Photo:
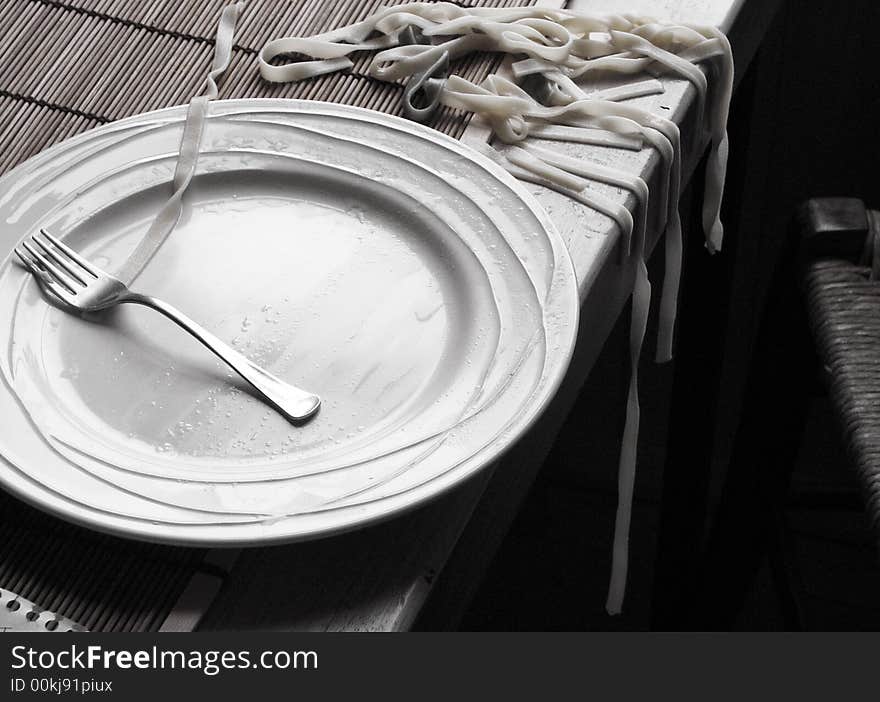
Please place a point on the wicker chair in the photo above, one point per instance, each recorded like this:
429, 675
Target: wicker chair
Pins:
821, 322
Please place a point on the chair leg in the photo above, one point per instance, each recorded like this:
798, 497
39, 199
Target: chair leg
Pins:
786, 575
764, 451
777, 395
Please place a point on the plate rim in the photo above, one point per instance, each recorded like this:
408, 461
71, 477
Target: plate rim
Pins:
418, 496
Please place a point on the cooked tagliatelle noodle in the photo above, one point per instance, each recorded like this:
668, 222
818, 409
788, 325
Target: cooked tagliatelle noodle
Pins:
557, 51
188, 155
549, 98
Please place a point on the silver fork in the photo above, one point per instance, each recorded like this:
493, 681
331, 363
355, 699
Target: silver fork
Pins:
83, 286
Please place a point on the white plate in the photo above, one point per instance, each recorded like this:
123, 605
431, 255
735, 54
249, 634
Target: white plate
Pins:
407, 280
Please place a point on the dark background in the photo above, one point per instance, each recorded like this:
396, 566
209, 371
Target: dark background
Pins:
815, 133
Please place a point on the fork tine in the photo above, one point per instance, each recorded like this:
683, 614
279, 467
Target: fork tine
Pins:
71, 254
60, 260
31, 264
49, 268
39, 272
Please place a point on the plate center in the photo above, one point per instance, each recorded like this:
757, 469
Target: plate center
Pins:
332, 283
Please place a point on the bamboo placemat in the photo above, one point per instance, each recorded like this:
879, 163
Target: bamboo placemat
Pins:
68, 66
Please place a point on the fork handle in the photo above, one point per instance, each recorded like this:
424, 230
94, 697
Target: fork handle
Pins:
295, 404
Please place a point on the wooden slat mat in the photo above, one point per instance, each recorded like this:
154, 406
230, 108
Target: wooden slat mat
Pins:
103, 583
67, 66
110, 58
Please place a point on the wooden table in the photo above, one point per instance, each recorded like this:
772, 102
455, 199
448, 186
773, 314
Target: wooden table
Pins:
428, 563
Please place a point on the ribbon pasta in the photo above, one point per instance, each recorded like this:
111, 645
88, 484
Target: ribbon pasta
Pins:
554, 49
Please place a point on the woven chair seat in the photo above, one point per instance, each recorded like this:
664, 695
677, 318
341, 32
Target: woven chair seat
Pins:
843, 307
